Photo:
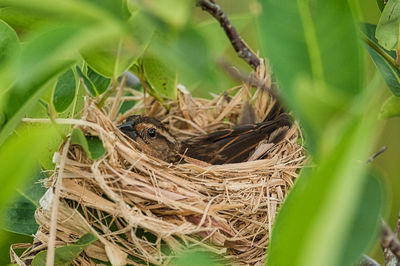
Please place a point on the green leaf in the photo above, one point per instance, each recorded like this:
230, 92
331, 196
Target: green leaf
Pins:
113, 57
87, 82
19, 215
381, 4
117, 8
92, 145
19, 156
64, 92
66, 254
173, 12
367, 218
160, 77
196, 258
100, 82
298, 39
9, 43
383, 59
22, 21
387, 30
318, 218
390, 108
39, 61
9, 49
188, 54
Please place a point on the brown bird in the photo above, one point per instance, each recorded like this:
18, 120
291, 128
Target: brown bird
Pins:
220, 147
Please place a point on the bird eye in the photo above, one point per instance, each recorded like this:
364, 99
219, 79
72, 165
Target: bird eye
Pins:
152, 132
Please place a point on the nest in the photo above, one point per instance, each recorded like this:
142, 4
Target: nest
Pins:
144, 210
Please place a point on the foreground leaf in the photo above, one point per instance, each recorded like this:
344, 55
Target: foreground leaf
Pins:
92, 145
298, 39
318, 218
19, 215
66, 254
18, 156
390, 108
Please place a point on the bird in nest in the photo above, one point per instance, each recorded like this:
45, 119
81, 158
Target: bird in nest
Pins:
232, 145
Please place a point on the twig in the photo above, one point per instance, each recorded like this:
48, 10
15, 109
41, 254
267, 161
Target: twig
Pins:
240, 47
251, 80
390, 244
381, 150
54, 209
397, 229
367, 261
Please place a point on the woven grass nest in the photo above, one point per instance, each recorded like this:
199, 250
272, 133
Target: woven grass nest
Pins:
144, 210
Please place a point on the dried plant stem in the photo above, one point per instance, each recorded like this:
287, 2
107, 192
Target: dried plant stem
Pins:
54, 208
240, 47
114, 108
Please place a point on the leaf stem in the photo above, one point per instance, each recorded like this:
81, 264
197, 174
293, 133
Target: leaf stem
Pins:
382, 53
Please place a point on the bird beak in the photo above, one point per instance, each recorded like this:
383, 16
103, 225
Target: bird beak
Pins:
128, 130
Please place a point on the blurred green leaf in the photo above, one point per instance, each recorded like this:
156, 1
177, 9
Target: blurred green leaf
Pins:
173, 12
19, 215
9, 48
87, 82
113, 57
387, 30
87, 11
390, 108
9, 42
92, 145
160, 77
301, 44
366, 224
117, 8
100, 82
383, 59
64, 92
39, 62
196, 258
188, 54
321, 211
18, 157
66, 254
216, 39
381, 4
20, 20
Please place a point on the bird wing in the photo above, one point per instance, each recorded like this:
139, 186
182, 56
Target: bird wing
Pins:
233, 145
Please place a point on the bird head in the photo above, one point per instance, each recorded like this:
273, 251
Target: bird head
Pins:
152, 137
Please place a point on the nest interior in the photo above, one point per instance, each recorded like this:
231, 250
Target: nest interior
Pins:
144, 210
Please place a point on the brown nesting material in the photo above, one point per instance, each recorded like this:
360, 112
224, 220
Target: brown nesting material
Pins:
139, 206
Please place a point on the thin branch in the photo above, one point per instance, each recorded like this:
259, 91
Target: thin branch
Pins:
381, 150
390, 244
252, 80
377, 49
240, 47
397, 229
367, 261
